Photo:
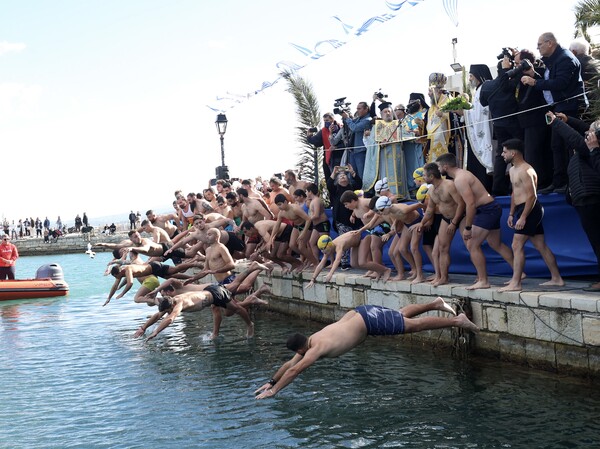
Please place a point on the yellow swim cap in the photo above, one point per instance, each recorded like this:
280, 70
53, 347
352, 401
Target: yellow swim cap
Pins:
419, 173
422, 192
323, 242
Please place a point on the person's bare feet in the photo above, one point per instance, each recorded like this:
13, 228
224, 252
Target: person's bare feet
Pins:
386, 275
262, 290
465, 323
398, 277
431, 277
511, 287
418, 280
440, 281
554, 283
478, 285
442, 305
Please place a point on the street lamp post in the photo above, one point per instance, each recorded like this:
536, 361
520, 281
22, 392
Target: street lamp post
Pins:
222, 172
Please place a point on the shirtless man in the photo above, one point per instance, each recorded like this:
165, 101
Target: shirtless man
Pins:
198, 238
195, 301
299, 237
528, 212
406, 218
482, 219
209, 195
352, 329
293, 183
320, 224
334, 250
164, 222
200, 205
158, 235
367, 258
253, 209
252, 192
125, 274
138, 243
444, 198
263, 232
236, 208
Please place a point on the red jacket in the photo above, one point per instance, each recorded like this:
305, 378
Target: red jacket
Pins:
8, 254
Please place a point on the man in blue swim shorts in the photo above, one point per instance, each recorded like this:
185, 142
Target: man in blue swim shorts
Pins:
482, 218
352, 329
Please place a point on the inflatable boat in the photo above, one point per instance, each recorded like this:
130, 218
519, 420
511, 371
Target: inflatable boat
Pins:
48, 282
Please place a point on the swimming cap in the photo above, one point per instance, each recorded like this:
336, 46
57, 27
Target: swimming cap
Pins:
422, 192
323, 242
380, 185
383, 203
418, 173
359, 193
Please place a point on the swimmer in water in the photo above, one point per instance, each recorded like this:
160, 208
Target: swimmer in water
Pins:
352, 329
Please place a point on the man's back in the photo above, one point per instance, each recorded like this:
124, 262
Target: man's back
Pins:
339, 337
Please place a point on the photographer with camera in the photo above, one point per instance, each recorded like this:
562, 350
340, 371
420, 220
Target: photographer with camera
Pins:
531, 117
584, 175
357, 125
500, 95
563, 90
320, 138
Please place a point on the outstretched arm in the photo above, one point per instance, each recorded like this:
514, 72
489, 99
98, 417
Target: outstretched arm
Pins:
297, 365
167, 321
153, 319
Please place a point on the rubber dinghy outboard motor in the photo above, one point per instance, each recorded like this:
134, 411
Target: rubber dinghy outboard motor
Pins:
50, 271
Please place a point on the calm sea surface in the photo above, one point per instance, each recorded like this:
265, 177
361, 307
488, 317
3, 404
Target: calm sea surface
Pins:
72, 376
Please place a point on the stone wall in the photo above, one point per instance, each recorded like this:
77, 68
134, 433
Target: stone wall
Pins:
552, 330
68, 244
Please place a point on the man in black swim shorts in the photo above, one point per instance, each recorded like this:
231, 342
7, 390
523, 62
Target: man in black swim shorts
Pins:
352, 329
525, 217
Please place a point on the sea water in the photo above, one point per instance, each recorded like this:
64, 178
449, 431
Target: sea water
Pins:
73, 376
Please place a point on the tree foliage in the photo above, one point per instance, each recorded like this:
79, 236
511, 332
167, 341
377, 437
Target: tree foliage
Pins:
309, 116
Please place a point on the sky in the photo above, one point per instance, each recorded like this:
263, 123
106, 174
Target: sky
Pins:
105, 105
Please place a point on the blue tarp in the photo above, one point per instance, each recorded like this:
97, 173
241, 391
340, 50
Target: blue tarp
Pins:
564, 236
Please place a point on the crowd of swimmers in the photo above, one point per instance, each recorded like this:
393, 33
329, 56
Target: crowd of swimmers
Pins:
291, 231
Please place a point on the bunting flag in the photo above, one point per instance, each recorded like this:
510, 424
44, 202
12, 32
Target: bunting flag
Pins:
323, 47
451, 10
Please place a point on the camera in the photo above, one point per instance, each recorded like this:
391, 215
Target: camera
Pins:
340, 106
313, 130
517, 71
380, 94
413, 106
505, 52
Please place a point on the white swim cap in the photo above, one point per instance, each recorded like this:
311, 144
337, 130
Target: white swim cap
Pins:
383, 203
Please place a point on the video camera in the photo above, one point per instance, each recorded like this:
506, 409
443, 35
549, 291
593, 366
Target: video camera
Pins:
380, 94
506, 51
339, 106
518, 71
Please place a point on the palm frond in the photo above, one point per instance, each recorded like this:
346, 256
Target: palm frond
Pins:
587, 15
307, 110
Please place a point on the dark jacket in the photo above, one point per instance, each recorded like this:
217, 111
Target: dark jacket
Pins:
499, 95
584, 166
340, 213
564, 80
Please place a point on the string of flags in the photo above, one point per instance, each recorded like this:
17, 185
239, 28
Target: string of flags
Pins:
323, 47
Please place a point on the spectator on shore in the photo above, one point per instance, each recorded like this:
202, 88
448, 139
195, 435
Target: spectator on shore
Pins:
8, 258
584, 176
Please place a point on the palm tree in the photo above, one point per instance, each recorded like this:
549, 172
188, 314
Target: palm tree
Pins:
307, 108
587, 15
